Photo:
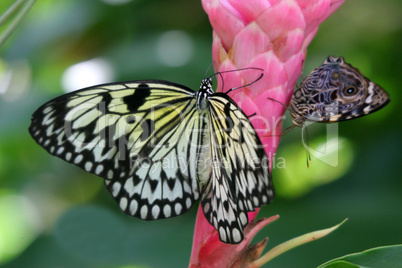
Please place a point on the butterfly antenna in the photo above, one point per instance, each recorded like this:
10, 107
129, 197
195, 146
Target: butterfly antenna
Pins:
223, 80
246, 85
237, 70
241, 69
209, 67
287, 108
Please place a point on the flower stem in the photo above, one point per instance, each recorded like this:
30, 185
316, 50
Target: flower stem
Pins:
295, 242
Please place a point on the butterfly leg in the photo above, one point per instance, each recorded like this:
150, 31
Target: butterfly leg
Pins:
251, 115
308, 155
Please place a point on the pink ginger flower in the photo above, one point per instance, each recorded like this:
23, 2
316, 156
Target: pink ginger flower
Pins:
272, 35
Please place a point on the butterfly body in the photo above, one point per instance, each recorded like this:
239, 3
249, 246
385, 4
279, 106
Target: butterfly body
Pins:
335, 91
160, 147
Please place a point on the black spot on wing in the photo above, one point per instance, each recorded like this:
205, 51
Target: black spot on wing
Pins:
108, 132
88, 131
153, 184
148, 127
130, 119
141, 93
228, 120
104, 104
171, 183
136, 179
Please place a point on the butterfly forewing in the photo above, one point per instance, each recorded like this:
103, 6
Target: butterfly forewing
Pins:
134, 135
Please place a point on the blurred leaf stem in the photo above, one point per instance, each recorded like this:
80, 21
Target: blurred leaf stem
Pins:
20, 8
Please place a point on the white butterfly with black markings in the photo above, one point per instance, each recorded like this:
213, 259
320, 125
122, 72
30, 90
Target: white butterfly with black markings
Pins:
160, 146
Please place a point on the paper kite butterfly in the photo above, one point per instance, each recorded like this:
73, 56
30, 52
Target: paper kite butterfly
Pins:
159, 146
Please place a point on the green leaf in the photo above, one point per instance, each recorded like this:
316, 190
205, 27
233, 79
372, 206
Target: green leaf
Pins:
387, 256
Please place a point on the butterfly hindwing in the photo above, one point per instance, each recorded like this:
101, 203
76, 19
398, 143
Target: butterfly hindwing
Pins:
240, 179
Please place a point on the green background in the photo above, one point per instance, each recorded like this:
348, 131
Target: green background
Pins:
54, 214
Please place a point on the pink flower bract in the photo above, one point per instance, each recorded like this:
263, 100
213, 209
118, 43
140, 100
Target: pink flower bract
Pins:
272, 35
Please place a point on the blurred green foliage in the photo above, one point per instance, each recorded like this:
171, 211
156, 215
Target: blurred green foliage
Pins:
54, 214
12, 16
388, 256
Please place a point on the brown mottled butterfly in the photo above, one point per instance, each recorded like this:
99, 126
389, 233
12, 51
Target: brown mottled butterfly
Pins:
335, 91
